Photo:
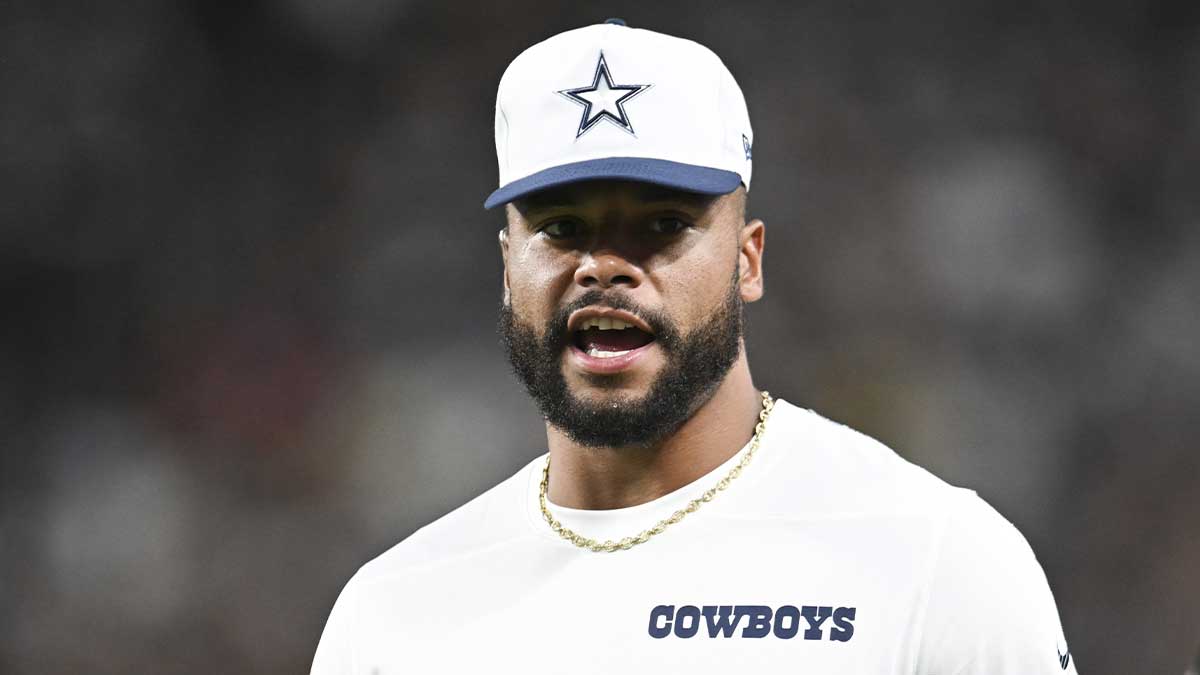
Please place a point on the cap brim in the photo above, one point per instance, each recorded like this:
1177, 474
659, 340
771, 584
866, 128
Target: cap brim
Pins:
686, 177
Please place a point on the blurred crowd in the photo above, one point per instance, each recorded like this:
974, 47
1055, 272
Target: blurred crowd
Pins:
248, 295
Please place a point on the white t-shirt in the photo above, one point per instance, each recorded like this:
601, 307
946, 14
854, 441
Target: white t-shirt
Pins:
829, 554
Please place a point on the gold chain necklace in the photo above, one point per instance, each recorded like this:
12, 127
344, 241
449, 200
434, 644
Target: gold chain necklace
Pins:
629, 542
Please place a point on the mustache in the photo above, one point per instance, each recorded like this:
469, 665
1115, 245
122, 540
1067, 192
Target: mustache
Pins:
664, 328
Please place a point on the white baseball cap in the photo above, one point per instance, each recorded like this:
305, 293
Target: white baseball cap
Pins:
609, 101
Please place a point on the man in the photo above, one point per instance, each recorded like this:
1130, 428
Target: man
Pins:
682, 520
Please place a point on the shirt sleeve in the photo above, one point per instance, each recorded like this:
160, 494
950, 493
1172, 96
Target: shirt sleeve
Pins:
989, 608
334, 656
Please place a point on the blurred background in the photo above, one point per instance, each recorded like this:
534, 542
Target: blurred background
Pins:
248, 295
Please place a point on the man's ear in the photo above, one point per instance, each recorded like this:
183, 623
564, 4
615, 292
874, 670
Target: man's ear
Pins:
750, 253
504, 257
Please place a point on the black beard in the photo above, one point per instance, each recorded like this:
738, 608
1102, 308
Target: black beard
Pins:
696, 365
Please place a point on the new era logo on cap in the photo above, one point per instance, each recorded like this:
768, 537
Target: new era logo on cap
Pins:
608, 101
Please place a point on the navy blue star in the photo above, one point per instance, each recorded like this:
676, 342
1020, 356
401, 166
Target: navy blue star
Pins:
603, 100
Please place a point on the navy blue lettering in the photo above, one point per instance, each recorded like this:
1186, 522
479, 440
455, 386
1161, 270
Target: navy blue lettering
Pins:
816, 616
760, 620
682, 616
722, 625
782, 616
842, 629
661, 629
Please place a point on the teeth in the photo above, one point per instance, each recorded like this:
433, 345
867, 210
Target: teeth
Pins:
605, 355
604, 323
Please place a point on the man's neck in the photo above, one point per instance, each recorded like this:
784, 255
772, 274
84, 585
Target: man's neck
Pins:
611, 478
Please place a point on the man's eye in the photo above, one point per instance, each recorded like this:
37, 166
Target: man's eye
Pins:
561, 228
668, 225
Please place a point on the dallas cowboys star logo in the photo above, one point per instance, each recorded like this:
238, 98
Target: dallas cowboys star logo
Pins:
603, 100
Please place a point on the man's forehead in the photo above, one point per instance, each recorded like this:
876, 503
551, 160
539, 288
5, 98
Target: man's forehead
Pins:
579, 194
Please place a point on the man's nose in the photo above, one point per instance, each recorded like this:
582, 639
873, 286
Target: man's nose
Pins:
607, 268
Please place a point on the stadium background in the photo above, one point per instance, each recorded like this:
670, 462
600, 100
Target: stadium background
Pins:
248, 295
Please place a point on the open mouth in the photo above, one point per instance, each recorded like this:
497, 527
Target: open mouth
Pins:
606, 338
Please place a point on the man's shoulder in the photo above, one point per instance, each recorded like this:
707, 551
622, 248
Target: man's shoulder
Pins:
827, 468
846, 472
491, 519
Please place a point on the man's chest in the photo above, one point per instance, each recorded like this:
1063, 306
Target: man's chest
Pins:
734, 597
